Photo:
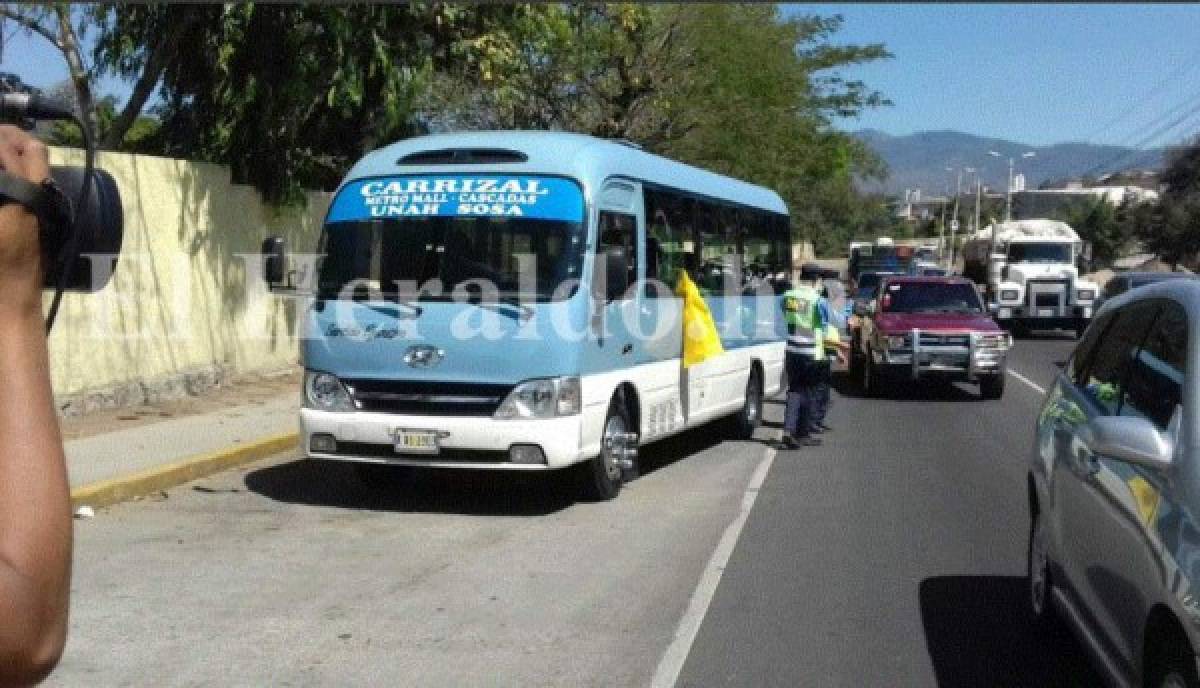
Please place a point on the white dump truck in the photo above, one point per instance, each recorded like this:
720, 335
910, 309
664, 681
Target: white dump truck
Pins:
1030, 275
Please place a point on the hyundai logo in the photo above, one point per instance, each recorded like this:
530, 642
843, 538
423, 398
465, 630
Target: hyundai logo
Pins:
423, 356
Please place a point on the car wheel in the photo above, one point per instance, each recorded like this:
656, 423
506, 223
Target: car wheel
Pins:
1038, 572
992, 386
1173, 667
603, 475
750, 417
385, 477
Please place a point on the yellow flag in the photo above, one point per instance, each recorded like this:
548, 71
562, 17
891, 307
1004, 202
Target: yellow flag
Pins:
700, 340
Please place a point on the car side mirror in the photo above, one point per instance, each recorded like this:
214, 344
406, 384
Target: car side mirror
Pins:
1126, 438
274, 257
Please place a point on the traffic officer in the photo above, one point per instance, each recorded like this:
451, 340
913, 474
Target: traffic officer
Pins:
804, 343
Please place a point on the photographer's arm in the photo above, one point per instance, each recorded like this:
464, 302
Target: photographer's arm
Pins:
35, 512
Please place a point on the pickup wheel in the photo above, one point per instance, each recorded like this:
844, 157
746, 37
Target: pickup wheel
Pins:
992, 386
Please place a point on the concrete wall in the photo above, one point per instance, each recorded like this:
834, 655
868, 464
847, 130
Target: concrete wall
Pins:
180, 312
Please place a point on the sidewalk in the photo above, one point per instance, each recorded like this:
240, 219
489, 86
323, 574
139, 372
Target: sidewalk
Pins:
115, 455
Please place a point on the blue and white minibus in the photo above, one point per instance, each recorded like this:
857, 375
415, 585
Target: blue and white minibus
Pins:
505, 301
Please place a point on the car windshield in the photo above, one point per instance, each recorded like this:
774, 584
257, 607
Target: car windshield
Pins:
868, 285
931, 297
411, 258
1039, 253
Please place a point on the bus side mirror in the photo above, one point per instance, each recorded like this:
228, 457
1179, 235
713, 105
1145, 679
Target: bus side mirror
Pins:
274, 257
616, 273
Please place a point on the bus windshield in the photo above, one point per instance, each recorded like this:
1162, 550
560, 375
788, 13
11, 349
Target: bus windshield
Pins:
405, 258
421, 237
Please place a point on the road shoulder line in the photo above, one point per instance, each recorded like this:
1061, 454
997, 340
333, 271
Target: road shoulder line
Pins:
671, 664
1036, 387
123, 487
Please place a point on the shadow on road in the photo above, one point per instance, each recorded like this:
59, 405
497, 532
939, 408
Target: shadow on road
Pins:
481, 493
1045, 335
478, 493
909, 390
980, 632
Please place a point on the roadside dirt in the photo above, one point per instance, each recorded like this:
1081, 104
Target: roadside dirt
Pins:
241, 390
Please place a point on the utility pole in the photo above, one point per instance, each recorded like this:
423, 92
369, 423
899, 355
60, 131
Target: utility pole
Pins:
942, 231
954, 216
978, 193
1008, 196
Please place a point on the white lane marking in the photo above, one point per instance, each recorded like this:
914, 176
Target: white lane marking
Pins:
673, 659
1027, 381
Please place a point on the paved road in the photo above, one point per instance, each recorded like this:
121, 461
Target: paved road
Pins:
896, 554
889, 557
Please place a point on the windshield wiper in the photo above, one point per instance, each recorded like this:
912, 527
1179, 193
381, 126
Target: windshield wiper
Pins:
524, 312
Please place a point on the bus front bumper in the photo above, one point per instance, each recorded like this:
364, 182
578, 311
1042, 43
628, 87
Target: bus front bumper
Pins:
462, 441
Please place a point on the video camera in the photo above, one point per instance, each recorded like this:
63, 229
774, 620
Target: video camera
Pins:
83, 241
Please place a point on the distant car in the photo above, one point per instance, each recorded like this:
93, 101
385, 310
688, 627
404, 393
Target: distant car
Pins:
929, 327
1132, 280
1114, 489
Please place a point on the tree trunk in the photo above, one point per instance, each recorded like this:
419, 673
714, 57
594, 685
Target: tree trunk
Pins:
68, 43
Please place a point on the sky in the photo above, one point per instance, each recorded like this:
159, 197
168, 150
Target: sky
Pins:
1036, 74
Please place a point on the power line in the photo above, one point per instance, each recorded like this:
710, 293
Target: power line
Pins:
1148, 96
1139, 147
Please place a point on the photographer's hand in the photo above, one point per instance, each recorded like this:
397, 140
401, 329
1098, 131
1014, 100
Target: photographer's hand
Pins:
35, 509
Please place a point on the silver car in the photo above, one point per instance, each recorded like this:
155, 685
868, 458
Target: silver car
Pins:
1114, 489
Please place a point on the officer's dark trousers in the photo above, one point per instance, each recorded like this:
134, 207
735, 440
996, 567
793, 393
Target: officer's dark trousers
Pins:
803, 376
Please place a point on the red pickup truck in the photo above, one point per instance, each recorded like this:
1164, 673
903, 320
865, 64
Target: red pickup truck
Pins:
928, 327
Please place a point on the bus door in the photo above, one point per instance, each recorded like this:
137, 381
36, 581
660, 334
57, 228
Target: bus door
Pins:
619, 227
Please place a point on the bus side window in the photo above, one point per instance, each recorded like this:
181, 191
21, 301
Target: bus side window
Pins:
668, 224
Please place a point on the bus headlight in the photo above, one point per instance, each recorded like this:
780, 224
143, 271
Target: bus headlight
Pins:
542, 398
325, 392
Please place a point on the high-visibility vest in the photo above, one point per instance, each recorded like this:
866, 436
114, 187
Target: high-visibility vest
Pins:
804, 325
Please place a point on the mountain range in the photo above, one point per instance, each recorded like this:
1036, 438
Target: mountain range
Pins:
919, 161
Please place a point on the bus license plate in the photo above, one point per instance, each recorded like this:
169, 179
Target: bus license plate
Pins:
416, 442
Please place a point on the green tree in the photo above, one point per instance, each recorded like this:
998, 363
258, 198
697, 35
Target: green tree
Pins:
1101, 224
1170, 227
290, 95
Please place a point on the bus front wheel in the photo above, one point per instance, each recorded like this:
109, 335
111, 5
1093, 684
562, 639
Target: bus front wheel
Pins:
604, 474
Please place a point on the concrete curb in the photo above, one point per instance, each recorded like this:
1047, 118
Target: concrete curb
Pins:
121, 488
